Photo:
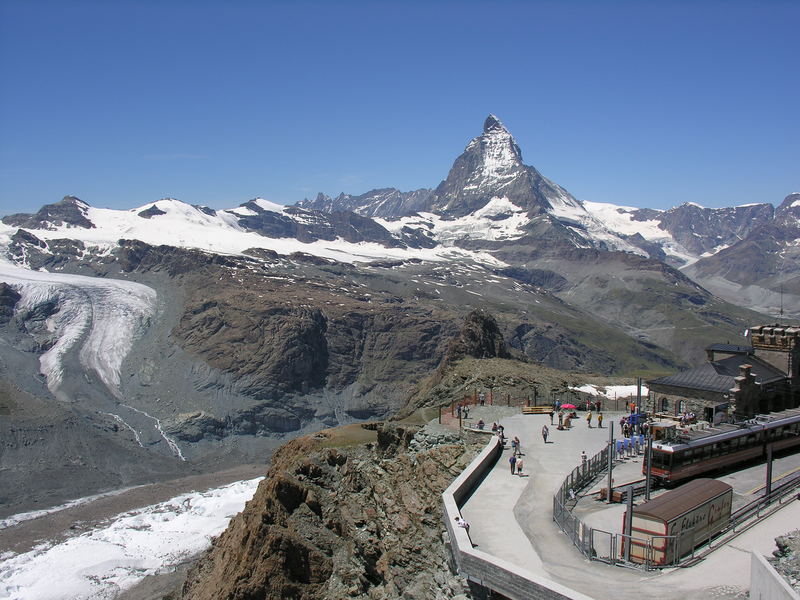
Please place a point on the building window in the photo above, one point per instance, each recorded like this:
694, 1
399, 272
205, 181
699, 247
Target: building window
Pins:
681, 407
664, 404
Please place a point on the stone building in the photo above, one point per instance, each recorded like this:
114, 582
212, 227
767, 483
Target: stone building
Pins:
736, 382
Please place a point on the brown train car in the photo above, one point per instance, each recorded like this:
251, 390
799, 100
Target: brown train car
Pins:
672, 525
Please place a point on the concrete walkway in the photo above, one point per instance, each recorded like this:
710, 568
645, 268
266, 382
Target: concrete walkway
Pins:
511, 518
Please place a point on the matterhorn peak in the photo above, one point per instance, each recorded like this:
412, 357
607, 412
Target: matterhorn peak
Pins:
492, 123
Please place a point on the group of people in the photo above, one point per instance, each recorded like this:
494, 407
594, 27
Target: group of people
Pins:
629, 428
515, 460
688, 418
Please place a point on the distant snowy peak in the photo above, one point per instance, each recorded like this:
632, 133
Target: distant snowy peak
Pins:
498, 154
789, 206
684, 233
491, 167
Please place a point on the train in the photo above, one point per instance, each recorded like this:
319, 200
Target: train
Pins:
692, 453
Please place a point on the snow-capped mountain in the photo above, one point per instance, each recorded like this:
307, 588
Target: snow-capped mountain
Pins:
184, 335
256, 224
491, 168
490, 198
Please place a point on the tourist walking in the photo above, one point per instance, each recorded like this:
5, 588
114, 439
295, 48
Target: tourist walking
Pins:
516, 446
599, 420
519, 466
545, 433
589, 419
512, 460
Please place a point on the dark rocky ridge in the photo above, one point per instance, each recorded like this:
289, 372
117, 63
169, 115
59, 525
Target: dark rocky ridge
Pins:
69, 211
384, 202
763, 267
701, 229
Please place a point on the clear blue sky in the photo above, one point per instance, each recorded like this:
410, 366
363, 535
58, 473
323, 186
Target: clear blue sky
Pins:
637, 103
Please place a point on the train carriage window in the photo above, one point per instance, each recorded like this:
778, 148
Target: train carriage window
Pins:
707, 452
661, 460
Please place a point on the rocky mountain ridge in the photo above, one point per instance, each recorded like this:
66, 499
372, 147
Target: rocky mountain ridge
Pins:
338, 520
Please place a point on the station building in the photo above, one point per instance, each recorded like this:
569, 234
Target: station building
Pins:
736, 382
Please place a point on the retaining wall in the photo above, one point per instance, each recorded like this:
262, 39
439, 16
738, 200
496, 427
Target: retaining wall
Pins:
494, 573
766, 583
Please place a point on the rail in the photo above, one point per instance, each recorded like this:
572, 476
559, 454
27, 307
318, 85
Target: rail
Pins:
606, 546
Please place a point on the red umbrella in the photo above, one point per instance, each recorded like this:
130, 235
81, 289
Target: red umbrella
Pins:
567, 406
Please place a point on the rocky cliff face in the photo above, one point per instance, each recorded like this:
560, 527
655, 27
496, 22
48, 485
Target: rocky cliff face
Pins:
763, 268
334, 519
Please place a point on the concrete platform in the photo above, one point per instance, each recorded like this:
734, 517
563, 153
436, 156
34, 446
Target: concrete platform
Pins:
511, 518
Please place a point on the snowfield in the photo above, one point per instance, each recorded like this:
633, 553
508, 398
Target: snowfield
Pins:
186, 226
106, 560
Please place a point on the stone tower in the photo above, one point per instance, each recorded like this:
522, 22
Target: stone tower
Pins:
779, 346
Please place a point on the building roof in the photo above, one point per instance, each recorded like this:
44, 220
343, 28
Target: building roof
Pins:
681, 500
732, 348
718, 375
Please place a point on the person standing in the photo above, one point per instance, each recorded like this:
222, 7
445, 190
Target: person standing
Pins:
545, 433
519, 466
589, 419
462, 523
551, 416
516, 446
512, 460
584, 458
599, 420
560, 420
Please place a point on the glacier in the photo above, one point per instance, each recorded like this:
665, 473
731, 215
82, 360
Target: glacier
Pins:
103, 316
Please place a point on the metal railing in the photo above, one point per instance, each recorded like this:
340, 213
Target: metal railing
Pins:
654, 551
596, 544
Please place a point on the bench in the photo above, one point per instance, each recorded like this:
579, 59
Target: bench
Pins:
537, 410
